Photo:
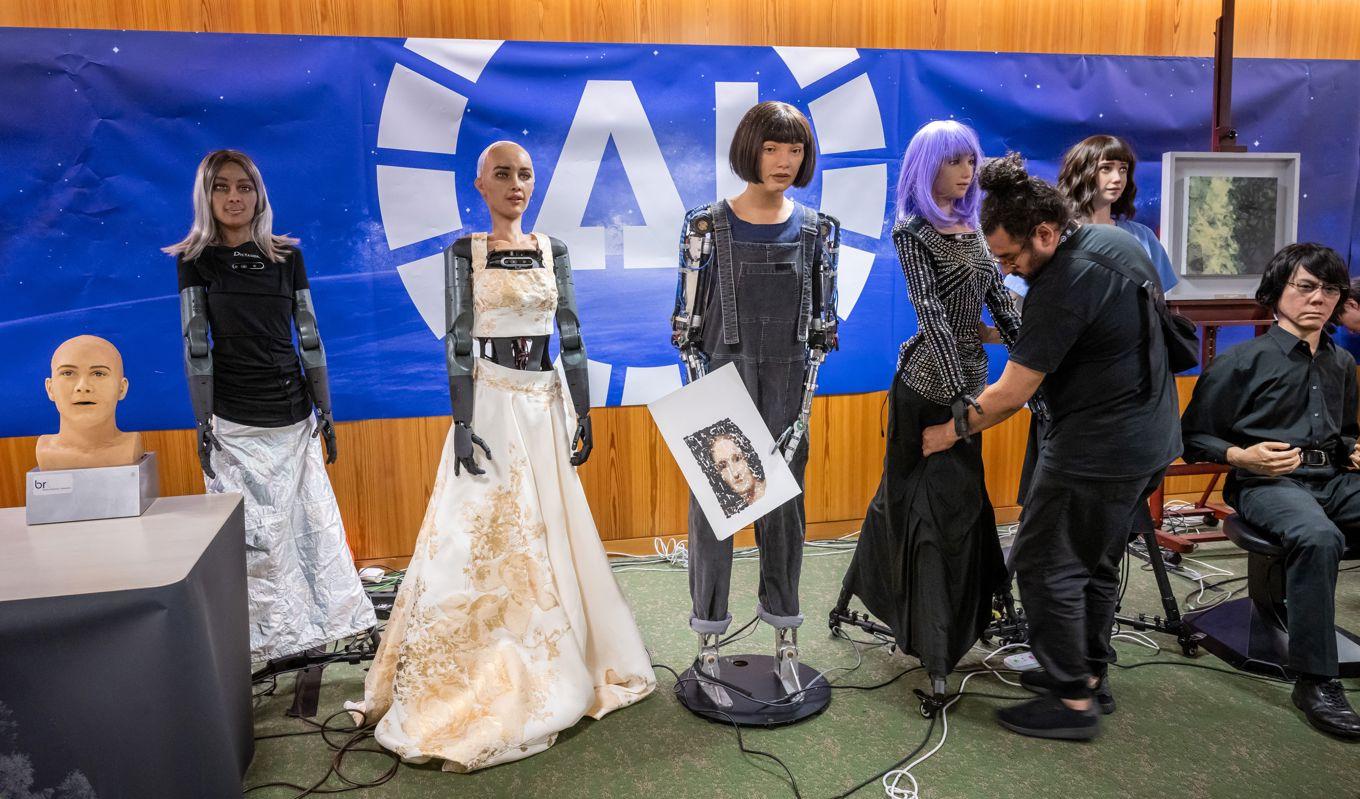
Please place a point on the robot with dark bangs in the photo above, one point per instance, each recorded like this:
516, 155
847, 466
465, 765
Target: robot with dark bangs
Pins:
757, 290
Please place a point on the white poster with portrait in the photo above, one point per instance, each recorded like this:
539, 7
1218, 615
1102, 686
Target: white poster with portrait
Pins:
725, 451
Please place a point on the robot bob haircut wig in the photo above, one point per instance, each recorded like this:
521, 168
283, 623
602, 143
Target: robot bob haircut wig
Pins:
934, 144
777, 122
1323, 263
1081, 168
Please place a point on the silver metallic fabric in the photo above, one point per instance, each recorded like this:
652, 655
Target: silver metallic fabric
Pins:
303, 586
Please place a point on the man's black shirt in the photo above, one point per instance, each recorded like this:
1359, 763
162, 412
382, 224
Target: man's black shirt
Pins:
257, 377
1108, 386
1273, 388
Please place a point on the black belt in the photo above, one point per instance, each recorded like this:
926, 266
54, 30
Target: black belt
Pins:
1314, 457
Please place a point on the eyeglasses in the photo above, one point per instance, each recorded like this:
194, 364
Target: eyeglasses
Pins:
1008, 260
1307, 288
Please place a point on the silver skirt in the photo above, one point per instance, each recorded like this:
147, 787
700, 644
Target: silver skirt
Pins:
303, 586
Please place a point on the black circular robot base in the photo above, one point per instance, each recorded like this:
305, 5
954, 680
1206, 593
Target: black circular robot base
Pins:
755, 681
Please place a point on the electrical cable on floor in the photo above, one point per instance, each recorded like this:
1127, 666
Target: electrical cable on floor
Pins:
672, 555
789, 778
894, 774
986, 660
675, 554
892, 780
793, 783
1138, 638
358, 733
930, 731
1191, 607
741, 741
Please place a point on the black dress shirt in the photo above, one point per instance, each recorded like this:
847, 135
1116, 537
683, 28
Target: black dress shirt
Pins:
1273, 388
1110, 393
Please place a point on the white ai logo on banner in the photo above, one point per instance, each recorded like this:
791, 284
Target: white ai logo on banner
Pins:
422, 115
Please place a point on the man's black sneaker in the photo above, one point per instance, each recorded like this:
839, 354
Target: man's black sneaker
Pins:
1047, 717
1039, 681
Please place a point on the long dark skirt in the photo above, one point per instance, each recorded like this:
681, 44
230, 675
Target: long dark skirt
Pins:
928, 561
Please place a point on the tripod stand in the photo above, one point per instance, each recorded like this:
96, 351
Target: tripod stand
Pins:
1008, 624
1007, 627
1172, 623
310, 665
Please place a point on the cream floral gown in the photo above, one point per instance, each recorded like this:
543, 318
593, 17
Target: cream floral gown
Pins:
509, 626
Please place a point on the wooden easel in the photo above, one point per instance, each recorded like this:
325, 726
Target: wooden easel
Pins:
1210, 315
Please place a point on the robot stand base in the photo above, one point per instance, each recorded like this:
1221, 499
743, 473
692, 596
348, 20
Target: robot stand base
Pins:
754, 675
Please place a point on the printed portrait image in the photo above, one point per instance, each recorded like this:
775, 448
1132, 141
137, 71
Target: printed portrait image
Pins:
729, 461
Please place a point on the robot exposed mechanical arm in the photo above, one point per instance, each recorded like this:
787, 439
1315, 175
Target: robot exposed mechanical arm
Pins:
314, 367
822, 328
198, 367
460, 356
692, 293
573, 353
696, 285
458, 353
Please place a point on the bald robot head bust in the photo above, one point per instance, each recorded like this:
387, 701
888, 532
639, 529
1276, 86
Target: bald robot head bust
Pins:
505, 179
86, 384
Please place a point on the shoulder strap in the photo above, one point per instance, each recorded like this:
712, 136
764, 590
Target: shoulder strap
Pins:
915, 227
919, 228
718, 213
478, 252
545, 249
808, 219
1149, 287
1107, 262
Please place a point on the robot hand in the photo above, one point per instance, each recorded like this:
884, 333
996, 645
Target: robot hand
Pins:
826, 339
786, 438
326, 429
464, 455
959, 406
582, 443
207, 442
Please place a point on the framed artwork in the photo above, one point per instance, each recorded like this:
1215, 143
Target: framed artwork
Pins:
1224, 215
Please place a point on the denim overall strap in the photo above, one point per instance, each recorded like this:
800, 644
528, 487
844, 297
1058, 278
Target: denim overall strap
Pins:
807, 239
727, 279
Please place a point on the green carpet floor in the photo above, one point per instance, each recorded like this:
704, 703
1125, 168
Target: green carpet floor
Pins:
1180, 731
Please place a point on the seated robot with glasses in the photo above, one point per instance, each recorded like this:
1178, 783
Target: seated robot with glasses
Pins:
1281, 411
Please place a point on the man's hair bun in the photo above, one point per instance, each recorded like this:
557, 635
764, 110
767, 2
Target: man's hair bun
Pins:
1005, 174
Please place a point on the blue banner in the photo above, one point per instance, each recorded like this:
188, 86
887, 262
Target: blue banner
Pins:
368, 148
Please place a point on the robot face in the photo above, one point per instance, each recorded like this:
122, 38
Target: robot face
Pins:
954, 178
87, 381
234, 197
779, 164
506, 181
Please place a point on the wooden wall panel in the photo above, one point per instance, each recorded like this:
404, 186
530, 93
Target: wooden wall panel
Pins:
1265, 28
387, 467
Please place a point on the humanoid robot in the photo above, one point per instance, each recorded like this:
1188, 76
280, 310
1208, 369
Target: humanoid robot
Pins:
86, 385
509, 626
260, 403
760, 295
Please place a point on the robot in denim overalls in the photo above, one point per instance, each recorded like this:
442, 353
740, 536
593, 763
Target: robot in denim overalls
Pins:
763, 298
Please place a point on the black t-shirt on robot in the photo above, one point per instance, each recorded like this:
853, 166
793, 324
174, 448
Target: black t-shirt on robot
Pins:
1082, 325
257, 377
